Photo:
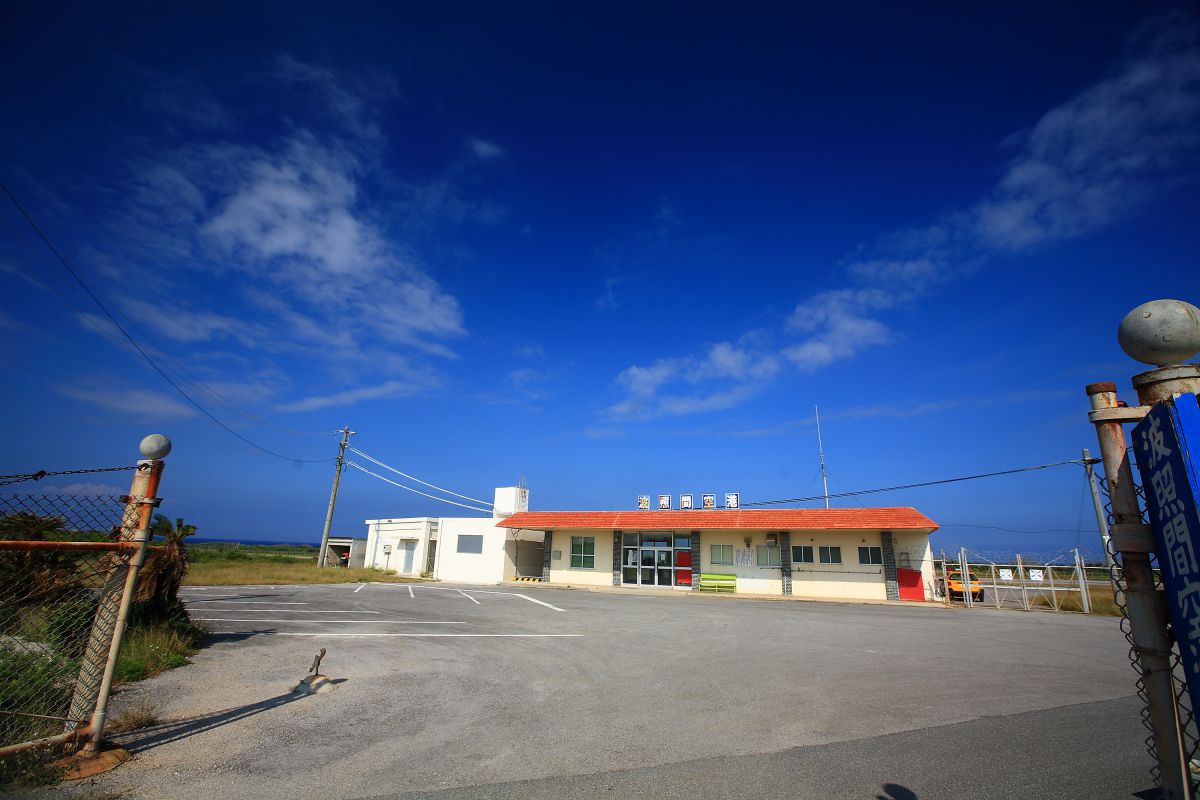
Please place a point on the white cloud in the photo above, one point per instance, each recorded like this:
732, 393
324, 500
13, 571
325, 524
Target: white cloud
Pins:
485, 150
114, 395
84, 488
383, 391
1092, 160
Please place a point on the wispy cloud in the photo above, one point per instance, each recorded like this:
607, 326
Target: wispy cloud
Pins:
113, 394
1094, 159
296, 238
485, 150
383, 391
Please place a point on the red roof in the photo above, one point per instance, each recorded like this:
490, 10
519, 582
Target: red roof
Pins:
782, 519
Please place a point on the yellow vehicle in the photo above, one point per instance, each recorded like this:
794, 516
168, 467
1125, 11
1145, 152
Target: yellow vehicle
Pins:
954, 586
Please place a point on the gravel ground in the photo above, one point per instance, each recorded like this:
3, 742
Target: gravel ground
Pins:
529, 691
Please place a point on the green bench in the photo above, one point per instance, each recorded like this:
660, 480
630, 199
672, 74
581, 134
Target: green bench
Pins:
718, 583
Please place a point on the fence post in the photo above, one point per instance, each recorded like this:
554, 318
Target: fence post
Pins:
1085, 594
1021, 580
1145, 609
966, 576
995, 588
945, 581
104, 641
1053, 590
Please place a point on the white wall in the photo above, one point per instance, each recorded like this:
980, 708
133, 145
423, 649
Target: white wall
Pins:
493, 565
392, 532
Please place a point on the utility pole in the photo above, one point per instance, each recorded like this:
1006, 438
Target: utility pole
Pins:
337, 477
821, 451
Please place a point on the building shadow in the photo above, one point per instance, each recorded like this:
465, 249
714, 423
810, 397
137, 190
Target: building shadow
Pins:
167, 732
894, 791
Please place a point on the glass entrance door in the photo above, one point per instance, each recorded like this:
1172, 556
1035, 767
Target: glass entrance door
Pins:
656, 559
656, 567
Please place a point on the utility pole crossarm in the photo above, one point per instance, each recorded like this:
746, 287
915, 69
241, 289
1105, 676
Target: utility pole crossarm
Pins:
337, 478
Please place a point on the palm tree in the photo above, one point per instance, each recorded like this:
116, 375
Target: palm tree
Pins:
168, 567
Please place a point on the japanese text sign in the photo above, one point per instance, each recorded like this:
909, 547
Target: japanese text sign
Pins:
1167, 444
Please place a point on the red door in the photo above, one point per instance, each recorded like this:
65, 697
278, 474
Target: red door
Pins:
911, 587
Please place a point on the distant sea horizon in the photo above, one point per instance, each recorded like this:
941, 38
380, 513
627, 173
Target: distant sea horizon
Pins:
292, 543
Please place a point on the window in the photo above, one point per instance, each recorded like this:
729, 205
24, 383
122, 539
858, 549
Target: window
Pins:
802, 554
470, 543
768, 555
870, 555
583, 552
721, 554
830, 555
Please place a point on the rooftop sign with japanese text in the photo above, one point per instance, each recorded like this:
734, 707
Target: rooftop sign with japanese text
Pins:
1167, 444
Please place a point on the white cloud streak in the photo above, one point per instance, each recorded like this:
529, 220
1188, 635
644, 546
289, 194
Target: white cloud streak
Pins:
1086, 163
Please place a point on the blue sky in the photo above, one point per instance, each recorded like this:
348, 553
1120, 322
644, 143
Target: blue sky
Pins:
616, 252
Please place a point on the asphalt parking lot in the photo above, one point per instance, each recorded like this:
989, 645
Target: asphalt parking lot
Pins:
528, 691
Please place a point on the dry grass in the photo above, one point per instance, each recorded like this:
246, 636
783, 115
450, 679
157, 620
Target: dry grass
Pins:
240, 573
135, 717
1101, 597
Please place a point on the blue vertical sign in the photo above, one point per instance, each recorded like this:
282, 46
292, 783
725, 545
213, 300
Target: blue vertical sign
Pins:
1167, 445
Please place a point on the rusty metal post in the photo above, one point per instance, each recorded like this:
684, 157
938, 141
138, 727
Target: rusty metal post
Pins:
144, 487
945, 580
1145, 608
337, 478
139, 512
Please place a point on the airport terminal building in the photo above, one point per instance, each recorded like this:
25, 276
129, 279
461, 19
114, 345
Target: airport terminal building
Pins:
840, 553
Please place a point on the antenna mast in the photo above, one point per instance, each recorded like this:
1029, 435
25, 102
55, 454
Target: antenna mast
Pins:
821, 451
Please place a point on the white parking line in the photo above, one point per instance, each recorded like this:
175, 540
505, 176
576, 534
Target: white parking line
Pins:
410, 592
247, 602
472, 599
373, 621
448, 635
288, 610
522, 596
360, 588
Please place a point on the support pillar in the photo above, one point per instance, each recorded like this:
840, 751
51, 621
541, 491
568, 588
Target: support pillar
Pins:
696, 561
547, 552
785, 560
618, 549
890, 578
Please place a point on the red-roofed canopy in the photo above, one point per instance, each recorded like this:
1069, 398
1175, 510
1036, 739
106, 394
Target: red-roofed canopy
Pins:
781, 519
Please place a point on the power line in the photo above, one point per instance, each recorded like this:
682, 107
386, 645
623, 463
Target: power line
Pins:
62, 259
1007, 530
361, 468
915, 485
418, 480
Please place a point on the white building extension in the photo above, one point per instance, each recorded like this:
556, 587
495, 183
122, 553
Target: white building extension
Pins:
460, 549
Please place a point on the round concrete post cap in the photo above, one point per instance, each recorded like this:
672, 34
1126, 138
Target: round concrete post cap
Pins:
1161, 332
155, 446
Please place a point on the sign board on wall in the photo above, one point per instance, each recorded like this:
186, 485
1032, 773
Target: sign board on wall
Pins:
1167, 444
685, 502
664, 502
643, 502
732, 500
708, 501
743, 557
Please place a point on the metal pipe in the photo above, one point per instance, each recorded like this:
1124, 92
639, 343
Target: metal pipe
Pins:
1098, 505
968, 601
72, 546
1144, 607
1085, 598
1021, 578
79, 734
146, 500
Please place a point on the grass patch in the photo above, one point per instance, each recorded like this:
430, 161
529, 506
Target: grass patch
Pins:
277, 572
151, 649
132, 718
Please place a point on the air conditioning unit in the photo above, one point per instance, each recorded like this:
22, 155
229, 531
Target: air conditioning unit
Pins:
772, 539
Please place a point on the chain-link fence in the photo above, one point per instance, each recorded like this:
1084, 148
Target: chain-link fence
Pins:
68, 568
